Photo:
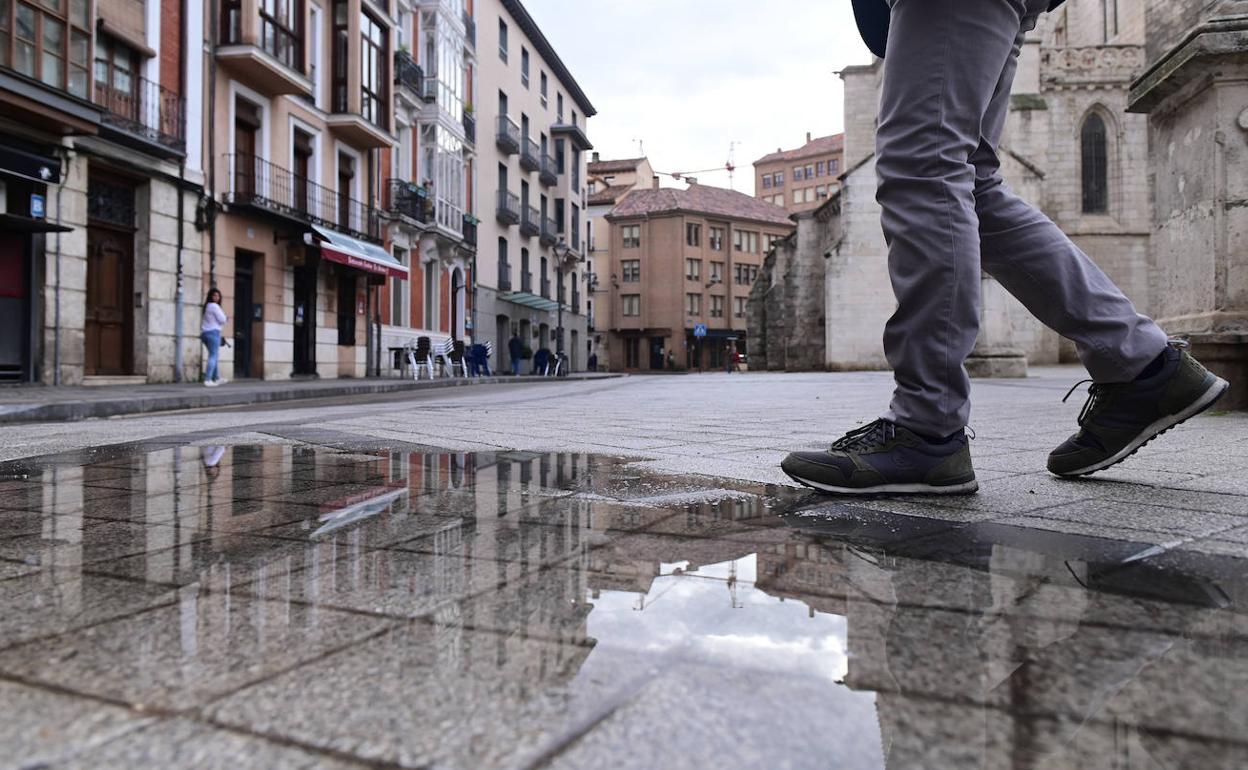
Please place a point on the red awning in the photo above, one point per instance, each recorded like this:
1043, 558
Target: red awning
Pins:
356, 254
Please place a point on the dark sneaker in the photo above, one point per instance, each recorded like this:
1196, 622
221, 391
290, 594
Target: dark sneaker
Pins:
886, 458
1120, 418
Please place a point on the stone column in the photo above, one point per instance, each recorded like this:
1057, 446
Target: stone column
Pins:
995, 354
1195, 92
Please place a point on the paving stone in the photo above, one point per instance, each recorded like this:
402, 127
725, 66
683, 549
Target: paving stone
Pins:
39, 727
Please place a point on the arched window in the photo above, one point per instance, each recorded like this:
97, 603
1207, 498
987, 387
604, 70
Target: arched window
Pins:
1095, 153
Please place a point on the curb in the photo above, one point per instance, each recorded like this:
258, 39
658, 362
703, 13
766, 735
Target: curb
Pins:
87, 409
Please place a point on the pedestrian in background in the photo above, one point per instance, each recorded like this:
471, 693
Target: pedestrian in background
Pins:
210, 334
947, 215
515, 352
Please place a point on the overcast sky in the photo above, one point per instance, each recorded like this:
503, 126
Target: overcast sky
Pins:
687, 77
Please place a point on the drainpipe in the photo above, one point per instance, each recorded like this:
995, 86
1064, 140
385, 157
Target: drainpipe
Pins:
213, 22
56, 323
178, 296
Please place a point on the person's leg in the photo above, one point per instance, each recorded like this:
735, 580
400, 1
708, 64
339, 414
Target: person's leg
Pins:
944, 65
1036, 262
213, 341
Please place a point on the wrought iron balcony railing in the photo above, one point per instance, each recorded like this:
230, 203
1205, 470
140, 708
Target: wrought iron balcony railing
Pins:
257, 183
550, 171
470, 128
470, 25
504, 276
526, 281
530, 224
408, 74
546, 288
148, 110
508, 210
550, 232
410, 200
508, 137
530, 155
470, 230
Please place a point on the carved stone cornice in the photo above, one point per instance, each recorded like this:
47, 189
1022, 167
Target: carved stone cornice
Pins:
1091, 66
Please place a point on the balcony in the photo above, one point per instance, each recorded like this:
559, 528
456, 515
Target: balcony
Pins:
360, 121
508, 137
508, 211
470, 231
470, 27
504, 276
261, 52
271, 191
550, 232
550, 171
574, 134
470, 128
410, 200
576, 301
530, 157
150, 117
526, 282
546, 288
408, 75
530, 224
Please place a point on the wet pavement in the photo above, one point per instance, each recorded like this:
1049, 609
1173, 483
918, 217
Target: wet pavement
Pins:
327, 601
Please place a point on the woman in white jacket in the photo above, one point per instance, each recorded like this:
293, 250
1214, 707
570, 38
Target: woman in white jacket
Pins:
210, 333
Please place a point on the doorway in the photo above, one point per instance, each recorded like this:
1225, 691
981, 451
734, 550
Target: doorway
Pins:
457, 302
305, 317
14, 308
656, 354
244, 311
110, 306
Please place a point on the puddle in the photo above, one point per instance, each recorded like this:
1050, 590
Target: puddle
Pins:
531, 610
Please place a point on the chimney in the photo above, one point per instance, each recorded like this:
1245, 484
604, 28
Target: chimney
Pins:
654, 183
595, 157
807, 137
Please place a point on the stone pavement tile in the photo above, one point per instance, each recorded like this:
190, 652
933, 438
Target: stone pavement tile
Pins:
1128, 473
438, 695
1235, 483
204, 513
39, 727
47, 498
1209, 461
812, 722
1030, 461
1170, 497
183, 655
1136, 518
182, 743
1078, 744
69, 541
48, 603
10, 569
220, 562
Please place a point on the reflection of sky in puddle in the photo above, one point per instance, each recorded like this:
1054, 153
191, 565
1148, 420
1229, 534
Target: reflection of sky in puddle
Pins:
715, 614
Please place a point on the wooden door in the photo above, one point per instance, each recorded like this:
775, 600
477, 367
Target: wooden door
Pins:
110, 308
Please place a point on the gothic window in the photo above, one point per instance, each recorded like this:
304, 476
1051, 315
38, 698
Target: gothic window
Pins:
1095, 154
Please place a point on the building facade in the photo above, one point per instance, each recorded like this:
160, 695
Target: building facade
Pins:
531, 276
681, 260
101, 170
802, 179
609, 182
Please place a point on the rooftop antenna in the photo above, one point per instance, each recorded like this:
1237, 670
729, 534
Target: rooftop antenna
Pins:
731, 165
641, 148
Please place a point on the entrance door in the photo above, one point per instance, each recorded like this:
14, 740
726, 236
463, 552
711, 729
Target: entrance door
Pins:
14, 308
656, 353
305, 318
244, 298
110, 309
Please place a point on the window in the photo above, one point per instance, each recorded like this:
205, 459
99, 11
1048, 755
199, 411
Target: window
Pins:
631, 270
810, 172
766, 181
834, 167
526, 275
116, 77
1109, 18
281, 31
398, 293
543, 88
373, 71
821, 168
524, 66
810, 195
744, 275
821, 192
693, 269
1095, 173
51, 42
717, 272
738, 307
717, 306
340, 41
716, 239
797, 174
559, 108
797, 196
502, 40
693, 234
693, 304
346, 308
314, 55
779, 175
301, 154
504, 267
632, 353
632, 236
743, 240
631, 304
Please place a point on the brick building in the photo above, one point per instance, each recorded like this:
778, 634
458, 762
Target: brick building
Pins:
801, 179
680, 258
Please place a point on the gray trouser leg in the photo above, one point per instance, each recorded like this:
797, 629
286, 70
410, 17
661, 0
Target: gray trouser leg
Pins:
945, 211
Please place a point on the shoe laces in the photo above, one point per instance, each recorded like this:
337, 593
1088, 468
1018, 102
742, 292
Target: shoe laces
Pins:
871, 436
1099, 396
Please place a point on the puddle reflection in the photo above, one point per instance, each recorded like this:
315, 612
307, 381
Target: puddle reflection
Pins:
509, 609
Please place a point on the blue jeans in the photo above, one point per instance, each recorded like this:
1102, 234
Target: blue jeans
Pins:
515, 367
212, 340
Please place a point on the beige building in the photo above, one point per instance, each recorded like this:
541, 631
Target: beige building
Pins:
531, 158
802, 179
680, 259
609, 182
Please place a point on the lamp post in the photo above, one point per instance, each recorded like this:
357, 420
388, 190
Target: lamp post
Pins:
562, 254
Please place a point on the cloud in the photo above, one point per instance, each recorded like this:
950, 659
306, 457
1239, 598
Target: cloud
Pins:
687, 77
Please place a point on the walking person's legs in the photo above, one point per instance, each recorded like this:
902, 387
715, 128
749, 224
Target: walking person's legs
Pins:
212, 341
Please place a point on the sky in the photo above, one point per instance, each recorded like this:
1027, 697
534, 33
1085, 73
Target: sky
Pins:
688, 77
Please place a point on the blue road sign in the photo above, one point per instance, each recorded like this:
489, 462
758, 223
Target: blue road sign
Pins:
699, 330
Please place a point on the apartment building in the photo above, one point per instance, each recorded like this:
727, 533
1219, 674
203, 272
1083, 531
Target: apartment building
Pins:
532, 244
609, 182
680, 259
801, 179
101, 170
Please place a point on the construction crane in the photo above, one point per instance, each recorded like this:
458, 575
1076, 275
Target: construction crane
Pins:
730, 166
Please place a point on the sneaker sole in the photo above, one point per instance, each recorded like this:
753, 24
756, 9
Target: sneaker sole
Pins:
1208, 399
967, 488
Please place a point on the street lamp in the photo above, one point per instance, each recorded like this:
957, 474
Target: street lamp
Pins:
563, 255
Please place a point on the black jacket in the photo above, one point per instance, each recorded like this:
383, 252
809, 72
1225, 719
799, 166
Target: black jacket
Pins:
872, 18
